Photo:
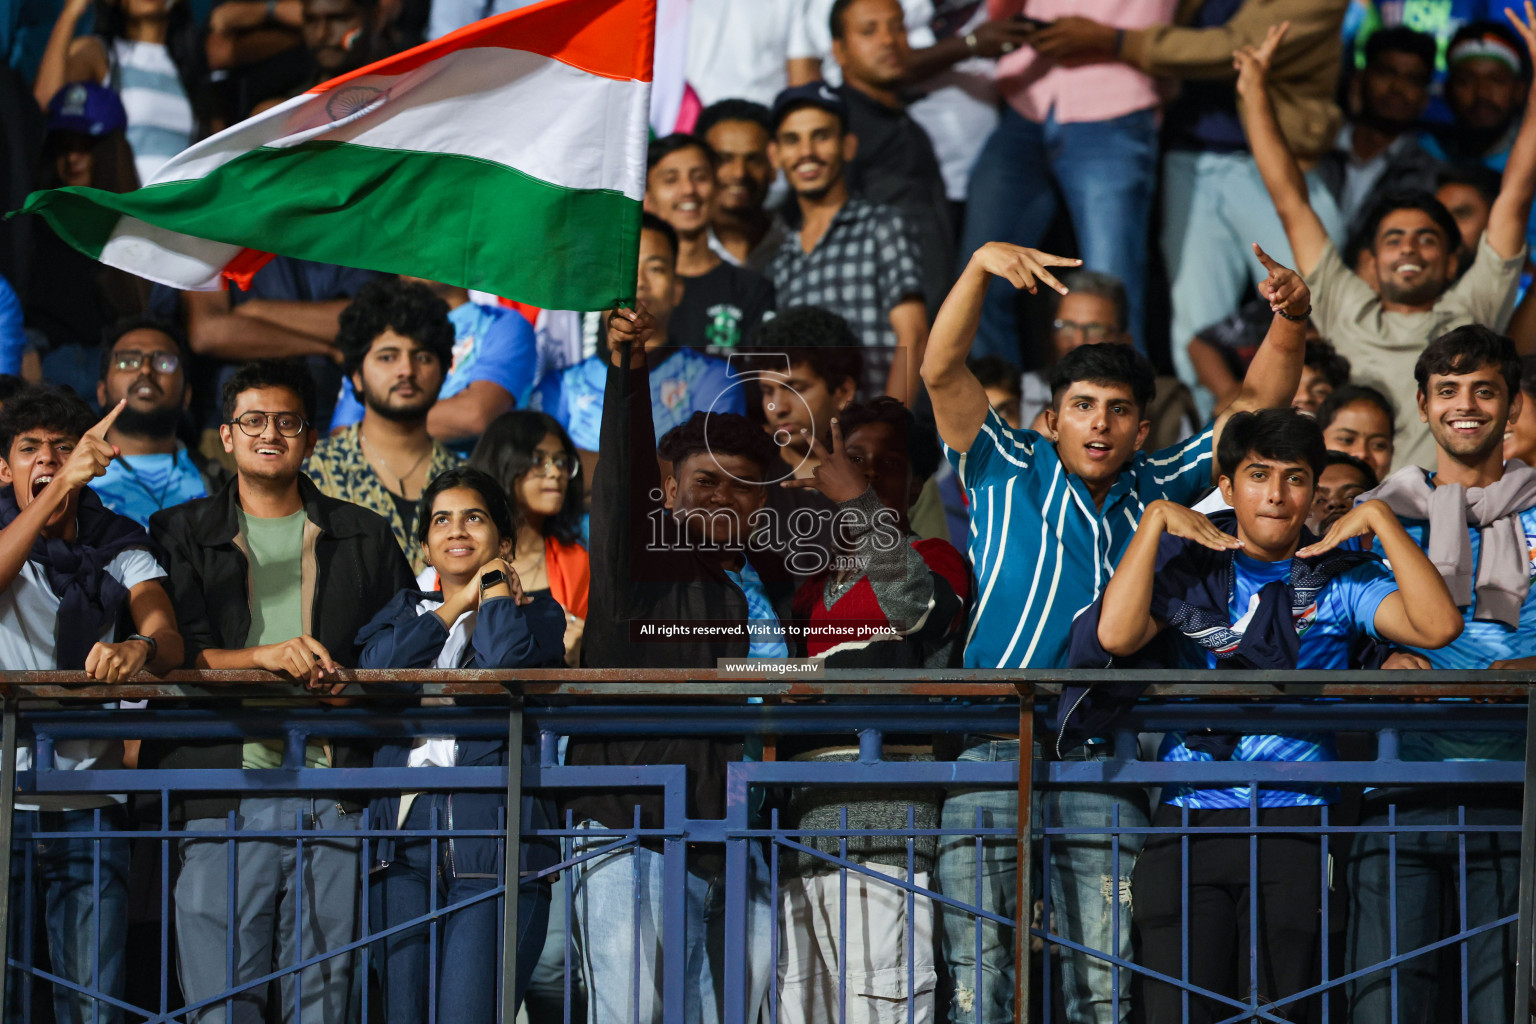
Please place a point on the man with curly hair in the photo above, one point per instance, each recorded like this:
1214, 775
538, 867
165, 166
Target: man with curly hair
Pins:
397, 344
674, 584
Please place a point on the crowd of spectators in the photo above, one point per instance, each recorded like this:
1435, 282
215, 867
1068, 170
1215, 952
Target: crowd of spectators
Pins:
857, 412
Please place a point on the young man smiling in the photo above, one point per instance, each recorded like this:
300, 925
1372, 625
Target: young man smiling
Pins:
271, 574
1060, 507
1413, 254
722, 303
1253, 589
1475, 516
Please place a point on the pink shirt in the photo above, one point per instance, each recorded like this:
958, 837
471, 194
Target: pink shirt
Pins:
1033, 85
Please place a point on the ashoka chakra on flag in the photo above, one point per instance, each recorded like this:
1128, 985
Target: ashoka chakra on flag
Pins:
508, 157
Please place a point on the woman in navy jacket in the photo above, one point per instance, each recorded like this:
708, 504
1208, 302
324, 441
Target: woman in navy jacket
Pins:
479, 619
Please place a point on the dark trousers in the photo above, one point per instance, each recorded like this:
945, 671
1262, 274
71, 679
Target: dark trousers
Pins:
467, 941
1425, 862
1286, 901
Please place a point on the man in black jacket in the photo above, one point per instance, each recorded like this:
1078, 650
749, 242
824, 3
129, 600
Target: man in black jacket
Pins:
670, 551
271, 574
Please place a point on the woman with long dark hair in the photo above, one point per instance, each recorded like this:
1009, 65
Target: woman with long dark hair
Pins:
147, 52
533, 457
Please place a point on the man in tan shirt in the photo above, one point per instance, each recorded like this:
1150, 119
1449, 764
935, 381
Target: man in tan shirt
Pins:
1412, 257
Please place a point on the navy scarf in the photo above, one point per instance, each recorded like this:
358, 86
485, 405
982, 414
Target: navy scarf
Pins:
90, 598
1192, 593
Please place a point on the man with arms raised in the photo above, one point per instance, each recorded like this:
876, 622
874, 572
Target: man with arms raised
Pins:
1056, 510
1413, 244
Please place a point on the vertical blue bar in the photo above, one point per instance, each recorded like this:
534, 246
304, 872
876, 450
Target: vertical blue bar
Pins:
1184, 909
979, 868
1392, 900
1327, 888
634, 881
773, 903
1114, 900
165, 900
1253, 896
738, 895
432, 875
1026, 915
568, 881
7, 825
96, 917
232, 866
365, 888
674, 951
911, 915
1461, 904
298, 902
842, 919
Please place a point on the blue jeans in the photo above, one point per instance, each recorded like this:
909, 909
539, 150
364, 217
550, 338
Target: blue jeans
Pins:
1424, 861
608, 910
1106, 172
1215, 207
468, 968
63, 871
1080, 872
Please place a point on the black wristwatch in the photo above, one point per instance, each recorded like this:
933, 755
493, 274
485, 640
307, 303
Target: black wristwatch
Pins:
154, 648
491, 579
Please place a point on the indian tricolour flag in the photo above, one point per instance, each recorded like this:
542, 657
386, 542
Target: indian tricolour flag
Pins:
507, 157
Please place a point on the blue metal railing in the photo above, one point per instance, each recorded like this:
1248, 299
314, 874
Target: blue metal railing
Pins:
869, 707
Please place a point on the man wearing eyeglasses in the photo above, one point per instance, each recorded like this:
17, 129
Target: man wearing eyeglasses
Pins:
271, 574
1095, 310
144, 363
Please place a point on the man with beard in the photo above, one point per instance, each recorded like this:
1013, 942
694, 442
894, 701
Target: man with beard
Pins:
848, 255
1377, 151
144, 364
1411, 255
1489, 74
397, 343
495, 356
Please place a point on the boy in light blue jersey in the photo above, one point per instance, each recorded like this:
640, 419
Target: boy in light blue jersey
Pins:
1254, 589
1051, 513
683, 380
1475, 515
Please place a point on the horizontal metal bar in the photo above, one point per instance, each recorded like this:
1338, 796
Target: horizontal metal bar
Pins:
684, 683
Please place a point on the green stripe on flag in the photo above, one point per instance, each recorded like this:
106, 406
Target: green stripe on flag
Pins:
455, 219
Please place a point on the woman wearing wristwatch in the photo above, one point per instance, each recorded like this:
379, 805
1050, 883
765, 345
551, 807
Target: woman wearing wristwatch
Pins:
479, 618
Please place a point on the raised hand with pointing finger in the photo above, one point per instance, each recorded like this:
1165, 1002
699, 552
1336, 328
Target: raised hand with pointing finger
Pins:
91, 455
1284, 289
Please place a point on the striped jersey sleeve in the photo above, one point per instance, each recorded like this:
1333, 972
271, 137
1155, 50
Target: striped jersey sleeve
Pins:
998, 452
1181, 472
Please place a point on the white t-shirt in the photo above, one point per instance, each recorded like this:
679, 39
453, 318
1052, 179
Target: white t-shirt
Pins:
737, 50
29, 624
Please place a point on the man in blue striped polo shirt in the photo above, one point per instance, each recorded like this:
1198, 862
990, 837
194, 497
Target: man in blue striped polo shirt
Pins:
1051, 515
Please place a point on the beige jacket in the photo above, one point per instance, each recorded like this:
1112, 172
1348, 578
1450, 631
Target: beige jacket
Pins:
1302, 79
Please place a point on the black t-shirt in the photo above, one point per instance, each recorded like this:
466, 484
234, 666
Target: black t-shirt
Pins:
897, 167
721, 309
407, 509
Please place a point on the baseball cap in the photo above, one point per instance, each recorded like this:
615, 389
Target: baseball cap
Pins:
86, 108
812, 94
